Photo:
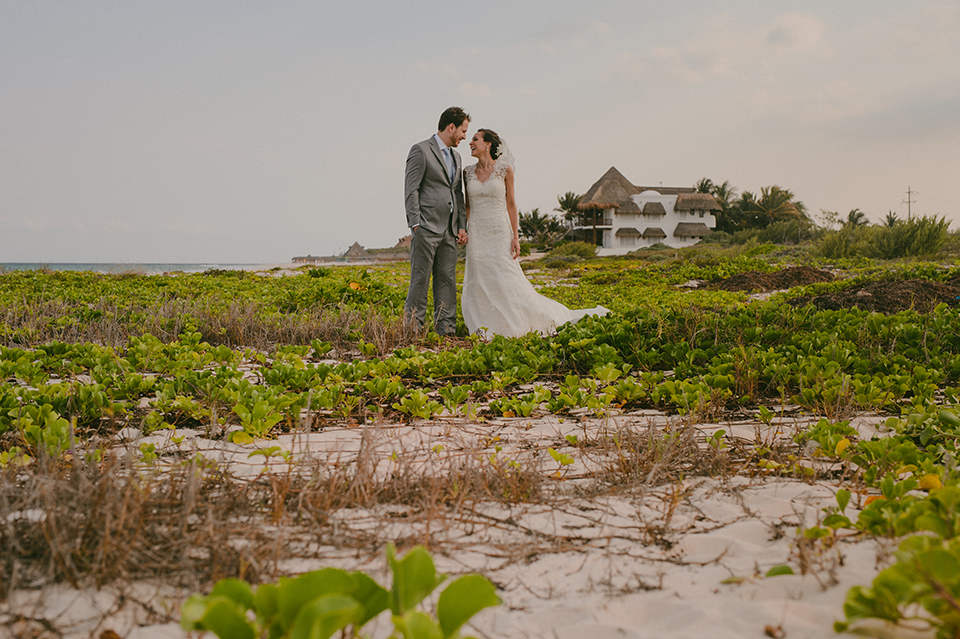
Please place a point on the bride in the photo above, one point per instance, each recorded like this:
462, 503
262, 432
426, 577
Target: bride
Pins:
497, 297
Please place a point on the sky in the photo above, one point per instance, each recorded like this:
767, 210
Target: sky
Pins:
251, 132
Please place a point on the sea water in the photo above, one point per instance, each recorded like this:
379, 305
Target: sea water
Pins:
118, 268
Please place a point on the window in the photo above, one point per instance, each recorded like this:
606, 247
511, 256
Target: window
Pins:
628, 241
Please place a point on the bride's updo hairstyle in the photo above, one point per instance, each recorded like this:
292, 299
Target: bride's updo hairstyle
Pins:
493, 139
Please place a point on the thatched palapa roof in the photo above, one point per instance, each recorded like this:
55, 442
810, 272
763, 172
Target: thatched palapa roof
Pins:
697, 202
691, 229
356, 251
628, 232
654, 208
653, 231
610, 191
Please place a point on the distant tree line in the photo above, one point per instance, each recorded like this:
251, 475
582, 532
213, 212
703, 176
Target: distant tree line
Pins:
749, 211
776, 216
547, 230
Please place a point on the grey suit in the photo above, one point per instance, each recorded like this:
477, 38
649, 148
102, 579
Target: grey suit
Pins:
435, 205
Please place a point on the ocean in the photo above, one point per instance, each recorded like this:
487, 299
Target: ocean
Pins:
118, 268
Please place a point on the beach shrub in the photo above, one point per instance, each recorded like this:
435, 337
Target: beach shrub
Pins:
920, 236
583, 250
783, 232
318, 604
926, 575
560, 261
717, 237
849, 241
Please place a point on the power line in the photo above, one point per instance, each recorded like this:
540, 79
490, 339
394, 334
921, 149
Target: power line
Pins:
909, 202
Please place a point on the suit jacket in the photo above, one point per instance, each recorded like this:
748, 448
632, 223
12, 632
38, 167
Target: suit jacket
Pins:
430, 198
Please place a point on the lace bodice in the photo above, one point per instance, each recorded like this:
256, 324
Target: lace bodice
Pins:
489, 196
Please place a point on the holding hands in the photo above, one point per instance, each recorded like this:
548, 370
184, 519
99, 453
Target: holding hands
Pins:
462, 236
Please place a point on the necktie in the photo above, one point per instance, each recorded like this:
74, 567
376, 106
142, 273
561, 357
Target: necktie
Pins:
451, 164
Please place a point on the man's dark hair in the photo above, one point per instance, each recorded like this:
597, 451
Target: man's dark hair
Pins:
454, 116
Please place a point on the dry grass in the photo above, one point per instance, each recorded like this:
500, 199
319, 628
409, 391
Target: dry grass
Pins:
187, 521
240, 324
652, 456
91, 522
94, 523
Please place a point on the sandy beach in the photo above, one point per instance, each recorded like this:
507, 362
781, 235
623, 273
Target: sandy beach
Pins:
680, 559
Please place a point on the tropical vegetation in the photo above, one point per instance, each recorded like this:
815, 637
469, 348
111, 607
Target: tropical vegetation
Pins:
244, 359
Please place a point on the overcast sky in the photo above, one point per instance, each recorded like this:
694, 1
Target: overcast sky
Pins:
235, 131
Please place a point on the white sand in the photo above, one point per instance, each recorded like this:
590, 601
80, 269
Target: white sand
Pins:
629, 564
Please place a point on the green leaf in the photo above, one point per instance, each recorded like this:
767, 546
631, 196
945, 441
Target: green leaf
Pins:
782, 569
940, 564
462, 599
417, 625
836, 521
843, 498
414, 577
236, 590
325, 615
224, 619
372, 596
192, 611
266, 602
240, 437
295, 593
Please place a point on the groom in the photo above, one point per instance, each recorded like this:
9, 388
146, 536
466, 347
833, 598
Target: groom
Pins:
436, 215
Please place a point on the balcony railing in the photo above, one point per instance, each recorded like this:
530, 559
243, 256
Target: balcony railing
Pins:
581, 222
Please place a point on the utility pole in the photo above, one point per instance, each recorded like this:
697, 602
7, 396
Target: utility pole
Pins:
909, 202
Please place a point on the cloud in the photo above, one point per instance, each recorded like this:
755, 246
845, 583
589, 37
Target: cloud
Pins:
793, 32
446, 70
576, 36
720, 48
470, 90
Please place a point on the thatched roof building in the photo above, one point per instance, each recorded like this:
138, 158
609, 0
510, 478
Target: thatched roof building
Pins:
654, 208
356, 251
610, 191
619, 216
692, 229
697, 202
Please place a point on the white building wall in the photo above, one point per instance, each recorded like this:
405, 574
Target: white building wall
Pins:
613, 245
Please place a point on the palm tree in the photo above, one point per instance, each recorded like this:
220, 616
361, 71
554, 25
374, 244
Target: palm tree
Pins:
728, 220
568, 204
891, 220
542, 230
704, 185
773, 205
856, 218
723, 193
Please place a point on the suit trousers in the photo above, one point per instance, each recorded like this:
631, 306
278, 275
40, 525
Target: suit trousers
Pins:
433, 254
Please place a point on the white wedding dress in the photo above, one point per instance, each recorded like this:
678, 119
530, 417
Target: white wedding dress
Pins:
498, 299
